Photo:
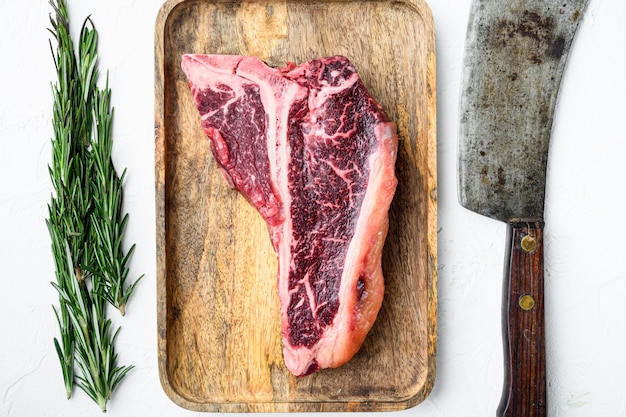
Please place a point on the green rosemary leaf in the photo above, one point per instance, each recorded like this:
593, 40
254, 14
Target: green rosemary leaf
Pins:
65, 350
118, 374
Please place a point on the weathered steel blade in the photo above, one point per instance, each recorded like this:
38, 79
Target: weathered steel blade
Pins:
514, 59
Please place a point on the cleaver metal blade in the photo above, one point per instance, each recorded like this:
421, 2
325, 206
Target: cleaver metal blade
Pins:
515, 55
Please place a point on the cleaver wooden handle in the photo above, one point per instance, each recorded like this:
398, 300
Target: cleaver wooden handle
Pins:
524, 392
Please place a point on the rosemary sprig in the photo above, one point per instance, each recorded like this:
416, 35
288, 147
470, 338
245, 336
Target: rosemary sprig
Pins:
69, 209
85, 219
107, 220
95, 353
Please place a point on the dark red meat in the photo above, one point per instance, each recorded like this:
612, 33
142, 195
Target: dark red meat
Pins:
315, 154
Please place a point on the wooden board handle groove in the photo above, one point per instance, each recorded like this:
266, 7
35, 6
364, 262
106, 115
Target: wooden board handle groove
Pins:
524, 393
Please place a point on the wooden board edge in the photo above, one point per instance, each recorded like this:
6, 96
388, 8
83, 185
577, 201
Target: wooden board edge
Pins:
433, 227
159, 149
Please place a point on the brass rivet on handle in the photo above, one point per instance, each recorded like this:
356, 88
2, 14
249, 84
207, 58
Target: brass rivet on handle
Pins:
528, 244
526, 302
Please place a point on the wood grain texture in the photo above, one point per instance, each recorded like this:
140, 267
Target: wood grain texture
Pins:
523, 324
218, 313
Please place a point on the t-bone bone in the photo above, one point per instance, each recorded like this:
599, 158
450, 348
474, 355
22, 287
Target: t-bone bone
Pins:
315, 154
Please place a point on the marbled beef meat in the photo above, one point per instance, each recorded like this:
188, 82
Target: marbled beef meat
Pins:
315, 154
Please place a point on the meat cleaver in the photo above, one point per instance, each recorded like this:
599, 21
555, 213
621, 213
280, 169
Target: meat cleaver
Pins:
515, 54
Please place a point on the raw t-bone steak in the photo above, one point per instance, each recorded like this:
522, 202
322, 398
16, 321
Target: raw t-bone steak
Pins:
315, 154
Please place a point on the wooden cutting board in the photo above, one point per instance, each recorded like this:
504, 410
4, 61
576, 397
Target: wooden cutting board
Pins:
218, 315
